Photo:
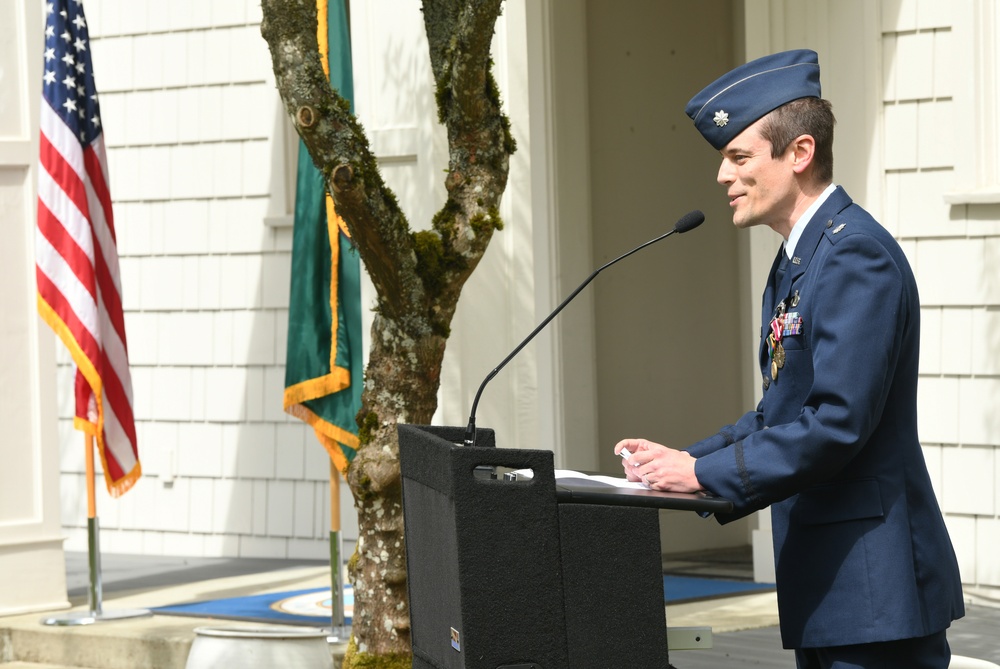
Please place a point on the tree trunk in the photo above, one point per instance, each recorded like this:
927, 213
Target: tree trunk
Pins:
418, 276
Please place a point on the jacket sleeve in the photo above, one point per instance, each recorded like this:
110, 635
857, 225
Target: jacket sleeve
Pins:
859, 316
729, 435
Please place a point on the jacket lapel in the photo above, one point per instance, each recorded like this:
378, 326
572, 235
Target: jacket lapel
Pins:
806, 246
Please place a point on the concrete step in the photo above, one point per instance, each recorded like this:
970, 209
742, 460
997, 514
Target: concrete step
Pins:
156, 642
151, 642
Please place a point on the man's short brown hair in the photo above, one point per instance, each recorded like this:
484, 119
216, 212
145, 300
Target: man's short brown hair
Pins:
805, 116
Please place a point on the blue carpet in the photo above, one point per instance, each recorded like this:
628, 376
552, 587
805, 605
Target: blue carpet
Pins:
679, 589
312, 607
294, 607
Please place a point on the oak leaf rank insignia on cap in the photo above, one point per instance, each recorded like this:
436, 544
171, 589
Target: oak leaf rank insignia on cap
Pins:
747, 93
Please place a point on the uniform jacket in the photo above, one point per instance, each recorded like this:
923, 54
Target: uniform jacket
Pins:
861, 549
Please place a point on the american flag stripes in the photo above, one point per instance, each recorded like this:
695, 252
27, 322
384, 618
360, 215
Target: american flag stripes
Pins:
79, 289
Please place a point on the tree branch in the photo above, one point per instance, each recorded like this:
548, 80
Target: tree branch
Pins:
479, 140
339, 148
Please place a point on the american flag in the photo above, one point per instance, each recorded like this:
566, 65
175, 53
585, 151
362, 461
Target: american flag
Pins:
76, 258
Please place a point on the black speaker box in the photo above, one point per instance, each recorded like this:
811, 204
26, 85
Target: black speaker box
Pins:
503, 576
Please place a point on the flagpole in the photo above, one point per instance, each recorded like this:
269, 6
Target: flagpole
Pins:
94, 592
337, 619
96, 612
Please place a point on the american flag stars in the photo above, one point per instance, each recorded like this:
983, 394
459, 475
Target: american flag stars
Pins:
68, 82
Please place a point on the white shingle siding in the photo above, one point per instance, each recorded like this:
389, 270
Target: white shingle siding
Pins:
954, 252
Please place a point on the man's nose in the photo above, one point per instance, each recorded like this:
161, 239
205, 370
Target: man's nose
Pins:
725, 175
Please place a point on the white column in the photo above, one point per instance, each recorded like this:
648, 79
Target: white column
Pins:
32, 565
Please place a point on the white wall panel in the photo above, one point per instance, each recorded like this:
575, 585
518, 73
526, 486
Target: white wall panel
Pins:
900, 134
124, 172
914, 59
985, 335
259, 505
930, 340
936, 138
290, 443
944, 62
300, 549
979, 420
199, 454
185, 227
240, 281
956, 341
914, 206
276, 274
225, 394
142, 330
232, 510
263, 547
226, 167
114, 62
256, 452
198, 390
281, 508
304, 503
937, 410
899, 15
274, 386
967, 475
951, 271
987, 549
944, 197
962, 530
935, 467
317, 463
935, 14
253, 337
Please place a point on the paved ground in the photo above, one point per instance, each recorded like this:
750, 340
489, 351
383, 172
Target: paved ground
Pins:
977, 636
736, 645
134, 572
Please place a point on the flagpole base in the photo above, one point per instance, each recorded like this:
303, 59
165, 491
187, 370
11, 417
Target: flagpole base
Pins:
74, 618
339, 634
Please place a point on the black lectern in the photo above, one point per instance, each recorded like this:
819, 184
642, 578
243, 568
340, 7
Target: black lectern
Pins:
527, 574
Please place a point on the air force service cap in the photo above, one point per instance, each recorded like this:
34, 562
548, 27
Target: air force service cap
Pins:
736, 100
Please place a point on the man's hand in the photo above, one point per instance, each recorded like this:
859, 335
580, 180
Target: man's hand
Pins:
659, 467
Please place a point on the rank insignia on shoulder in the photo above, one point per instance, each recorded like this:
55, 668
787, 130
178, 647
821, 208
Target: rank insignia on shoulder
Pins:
839, 228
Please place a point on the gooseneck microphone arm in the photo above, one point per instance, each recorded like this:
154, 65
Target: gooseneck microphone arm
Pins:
687, 222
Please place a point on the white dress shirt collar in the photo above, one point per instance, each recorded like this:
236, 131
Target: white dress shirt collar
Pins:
800, 225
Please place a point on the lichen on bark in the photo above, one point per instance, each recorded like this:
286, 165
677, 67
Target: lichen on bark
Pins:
418, 277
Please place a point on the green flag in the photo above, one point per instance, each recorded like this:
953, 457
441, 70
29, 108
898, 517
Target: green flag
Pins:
323, 373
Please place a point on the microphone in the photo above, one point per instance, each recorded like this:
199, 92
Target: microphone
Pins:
688, 221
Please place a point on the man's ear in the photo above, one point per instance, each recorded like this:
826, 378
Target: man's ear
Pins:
802, 150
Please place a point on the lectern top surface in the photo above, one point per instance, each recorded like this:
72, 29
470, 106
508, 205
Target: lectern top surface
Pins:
582, 491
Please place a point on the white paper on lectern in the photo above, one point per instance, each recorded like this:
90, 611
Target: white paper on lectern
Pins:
566, 474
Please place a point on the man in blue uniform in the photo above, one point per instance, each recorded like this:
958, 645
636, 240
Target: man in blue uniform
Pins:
866, 573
